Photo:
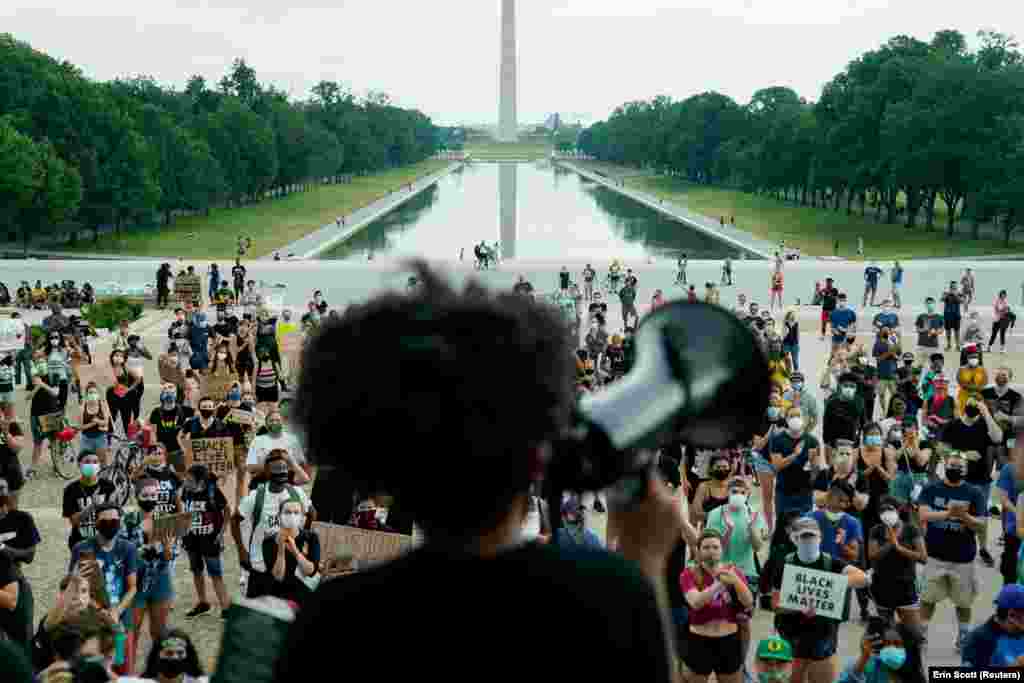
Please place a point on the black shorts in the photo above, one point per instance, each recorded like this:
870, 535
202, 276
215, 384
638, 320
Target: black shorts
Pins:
951, 324
810, 642
894, 595
721, 655
267, 394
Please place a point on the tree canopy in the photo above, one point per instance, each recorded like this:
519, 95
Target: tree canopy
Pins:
116, 152
910, 120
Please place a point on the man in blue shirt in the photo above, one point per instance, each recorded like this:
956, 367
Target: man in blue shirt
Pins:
841, 533
955, 512
887, 352
887, 318
897, 282
843, 322
871, 275
1006, 489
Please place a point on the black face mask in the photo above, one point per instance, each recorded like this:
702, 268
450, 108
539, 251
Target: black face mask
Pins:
108, 528
206, 413
278, 480
147, 505
720, 475
955, 476
172, 668
972, 411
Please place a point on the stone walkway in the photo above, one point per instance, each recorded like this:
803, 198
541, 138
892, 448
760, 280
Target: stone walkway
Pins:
728, 234
319, 241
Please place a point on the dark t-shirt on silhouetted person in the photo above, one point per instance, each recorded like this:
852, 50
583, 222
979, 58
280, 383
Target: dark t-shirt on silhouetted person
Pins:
600, 611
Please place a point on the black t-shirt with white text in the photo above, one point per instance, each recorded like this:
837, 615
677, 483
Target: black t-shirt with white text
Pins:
77, 497
207, 507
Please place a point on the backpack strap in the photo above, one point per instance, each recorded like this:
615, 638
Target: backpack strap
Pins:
257, 514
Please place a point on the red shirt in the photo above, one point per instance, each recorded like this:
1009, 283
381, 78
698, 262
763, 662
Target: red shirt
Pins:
721, 607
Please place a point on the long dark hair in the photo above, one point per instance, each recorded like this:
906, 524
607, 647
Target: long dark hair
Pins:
912, 670
192, 666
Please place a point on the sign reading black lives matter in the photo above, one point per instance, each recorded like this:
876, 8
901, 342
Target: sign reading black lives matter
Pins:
804, 588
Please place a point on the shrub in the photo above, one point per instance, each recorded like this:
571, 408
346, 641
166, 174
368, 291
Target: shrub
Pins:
110, 312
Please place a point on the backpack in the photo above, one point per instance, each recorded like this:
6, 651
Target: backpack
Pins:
261, 496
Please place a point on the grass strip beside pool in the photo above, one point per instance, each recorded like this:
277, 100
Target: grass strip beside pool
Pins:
271, 224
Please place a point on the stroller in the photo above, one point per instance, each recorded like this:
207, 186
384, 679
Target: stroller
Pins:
5, 295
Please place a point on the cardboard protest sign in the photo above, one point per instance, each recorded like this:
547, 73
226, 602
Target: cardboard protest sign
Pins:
188, 288
217, 454
353, 548
217, 386
177, 523
803, 588
54, 422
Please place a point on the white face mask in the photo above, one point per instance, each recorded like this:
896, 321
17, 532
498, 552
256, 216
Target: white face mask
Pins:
737, 501
890, 518
796, 424
973, 362
290, 520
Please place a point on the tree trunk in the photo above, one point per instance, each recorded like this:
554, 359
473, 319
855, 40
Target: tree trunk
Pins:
849, 202
951, 218
837, 197
913, 205
930, 210
890, 206
803, 195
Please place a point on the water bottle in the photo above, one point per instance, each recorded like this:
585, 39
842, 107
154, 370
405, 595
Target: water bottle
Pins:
120, 638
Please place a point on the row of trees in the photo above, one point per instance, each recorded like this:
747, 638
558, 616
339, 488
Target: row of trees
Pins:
911, 120
130, 149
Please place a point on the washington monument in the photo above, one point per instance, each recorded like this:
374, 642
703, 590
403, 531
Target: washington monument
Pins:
508, 126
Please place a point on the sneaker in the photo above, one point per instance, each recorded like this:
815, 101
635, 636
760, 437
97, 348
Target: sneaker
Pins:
197, 611
598, 505
986, 557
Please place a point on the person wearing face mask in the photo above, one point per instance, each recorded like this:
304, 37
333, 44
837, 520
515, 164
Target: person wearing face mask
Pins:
936, 364
971, 380
929, 326
82, 497
199, 339
1006, 406
829, 299
245, 342
1003, 632
18, 549
173, 659
1000, 322
156, 554
204, 541
802, 395
886, 352
796, 457
223, 364
889, 654
814, 639
744, 532
773, 662
155, 467
259, 511
44, 401
952, 301
116, 560
276, 438
12, 440
168, 420
844, 413
954, 512
843, 322
714, 492
574, 531
774, 422
58, 362
895, 548
205, 425
841, 533
717, 595
121, 396
912, 459
975, 435
94, 435
939, 409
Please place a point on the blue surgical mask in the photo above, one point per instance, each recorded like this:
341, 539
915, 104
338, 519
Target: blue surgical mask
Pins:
893, 657
234, 395
873, 440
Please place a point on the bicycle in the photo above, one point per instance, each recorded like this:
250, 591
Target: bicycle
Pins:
60, 433
125, 457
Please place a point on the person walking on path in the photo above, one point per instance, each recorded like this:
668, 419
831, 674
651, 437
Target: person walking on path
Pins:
860, 247
897, 282
967, 288
627, 296
727, 273
871, 275
951, 316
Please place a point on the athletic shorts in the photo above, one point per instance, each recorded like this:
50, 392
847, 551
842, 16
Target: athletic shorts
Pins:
200, 564
93, 443
954, 580
160, 589
721, 655
951, 324
892, 595
825, 315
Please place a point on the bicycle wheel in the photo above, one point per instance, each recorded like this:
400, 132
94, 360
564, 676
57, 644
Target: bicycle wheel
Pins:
122, 488
63, 465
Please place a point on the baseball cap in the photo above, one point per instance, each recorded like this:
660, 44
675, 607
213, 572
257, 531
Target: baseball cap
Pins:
805, 525
775, 647
1011, 597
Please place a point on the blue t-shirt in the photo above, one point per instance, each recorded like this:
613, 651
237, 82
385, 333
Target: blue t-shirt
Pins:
850, 525
1008, 484
890, 320
886, 366
118, 563
793, 480
1008, 649
871, 274
949, 539
841, 318
897, 274
564, 539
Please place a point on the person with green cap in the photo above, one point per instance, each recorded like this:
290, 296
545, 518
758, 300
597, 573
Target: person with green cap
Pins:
773, 662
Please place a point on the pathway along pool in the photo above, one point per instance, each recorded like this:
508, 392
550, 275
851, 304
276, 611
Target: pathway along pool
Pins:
536, 212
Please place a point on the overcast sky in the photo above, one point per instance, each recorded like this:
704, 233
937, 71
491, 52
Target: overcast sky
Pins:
578, 57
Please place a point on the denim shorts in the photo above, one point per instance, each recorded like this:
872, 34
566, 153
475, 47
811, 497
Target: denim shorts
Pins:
161, 589
93, 443
6, 397
762, 465
213, 565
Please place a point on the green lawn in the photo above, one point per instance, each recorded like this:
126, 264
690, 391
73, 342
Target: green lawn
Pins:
509, 150
814, 231
272, 223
